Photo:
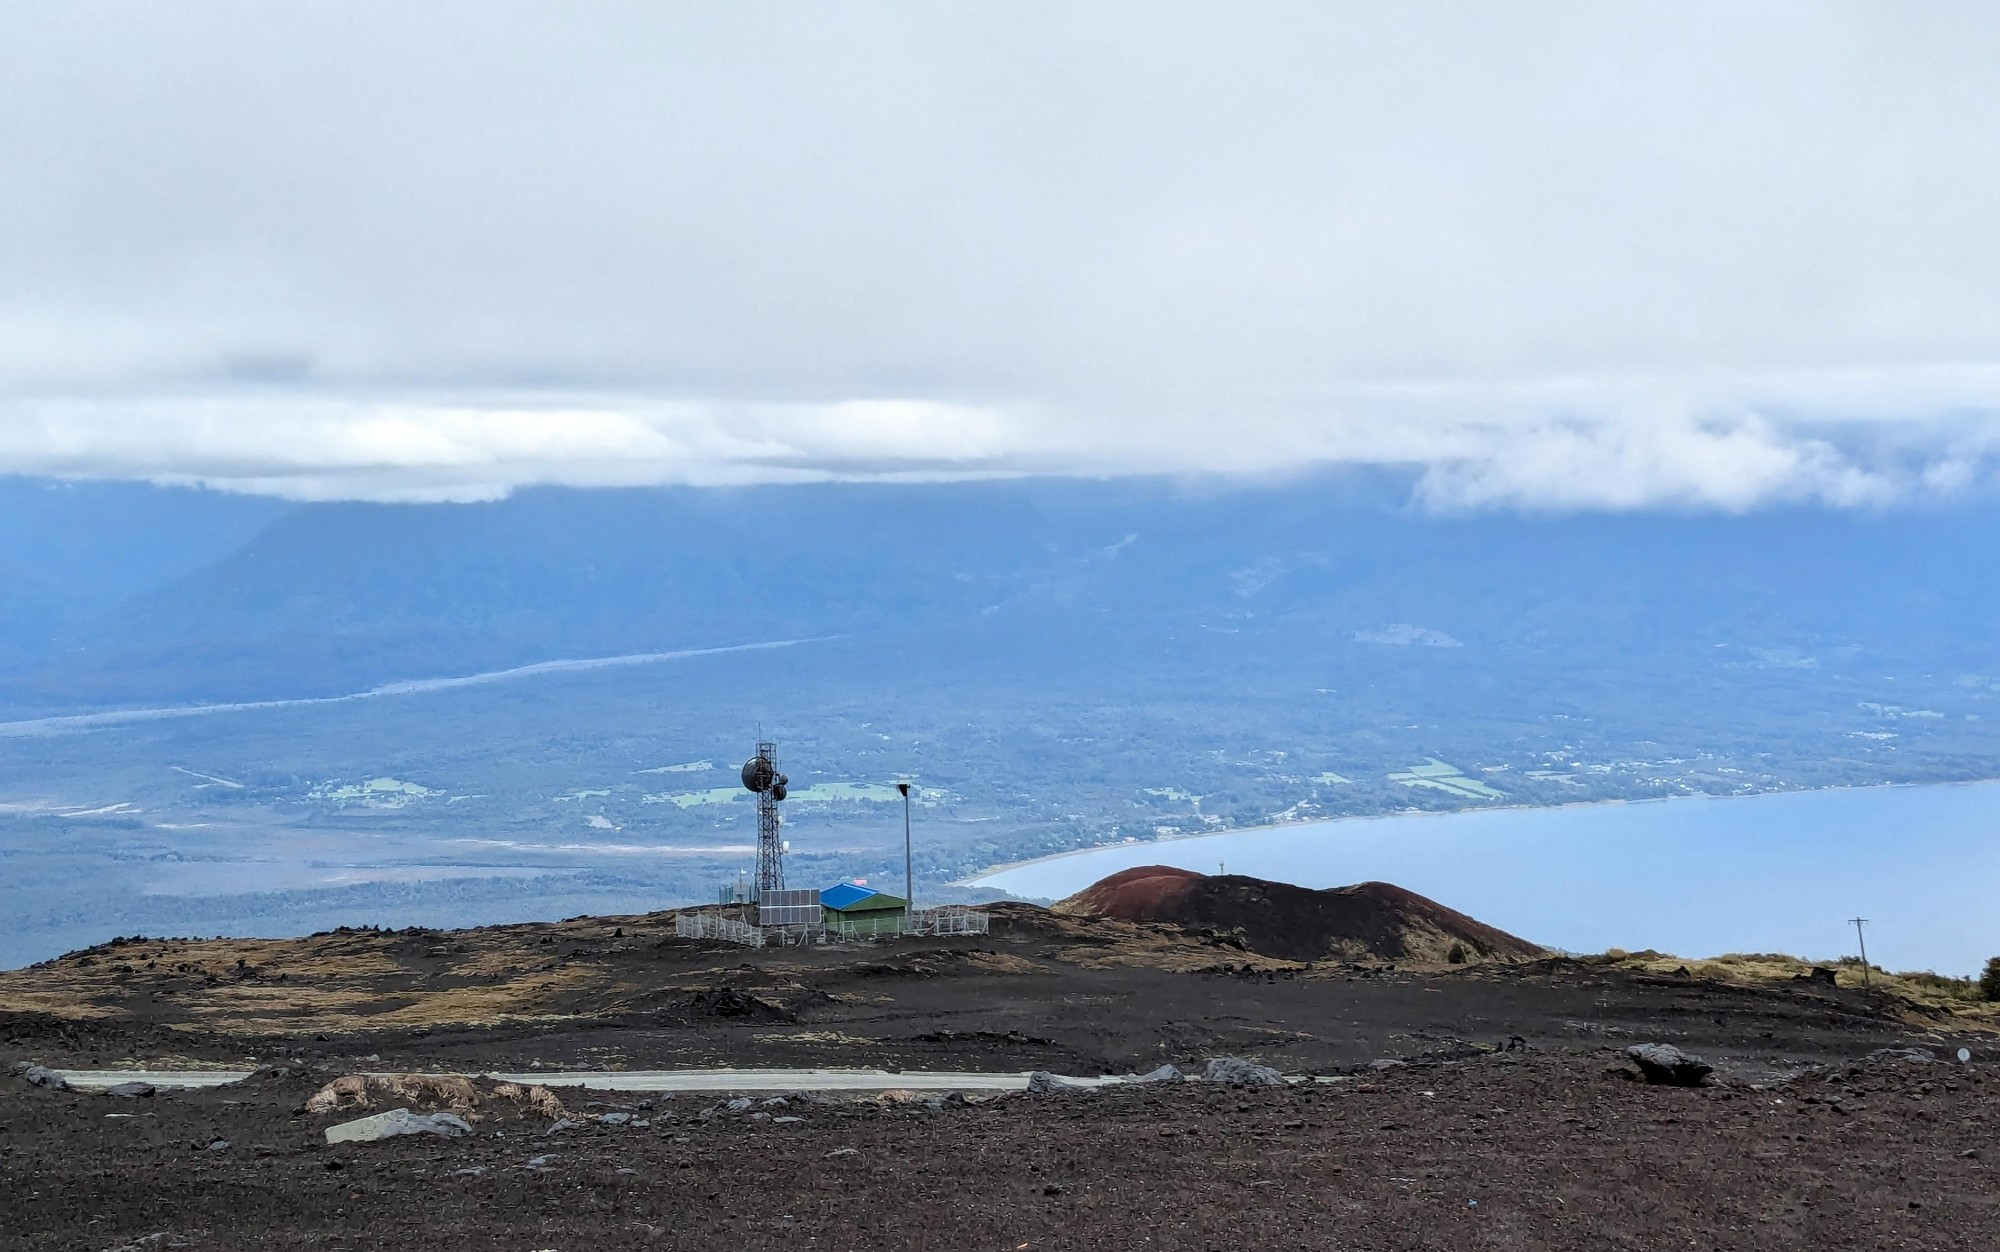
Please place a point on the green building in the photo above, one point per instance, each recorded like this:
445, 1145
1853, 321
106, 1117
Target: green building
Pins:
856, 912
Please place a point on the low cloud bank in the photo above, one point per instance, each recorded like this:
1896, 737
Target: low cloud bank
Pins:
1471, 449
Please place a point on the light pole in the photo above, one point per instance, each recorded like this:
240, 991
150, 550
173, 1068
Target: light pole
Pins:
1862, 939
909, 892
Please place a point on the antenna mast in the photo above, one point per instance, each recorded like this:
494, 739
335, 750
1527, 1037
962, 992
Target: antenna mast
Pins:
760, 774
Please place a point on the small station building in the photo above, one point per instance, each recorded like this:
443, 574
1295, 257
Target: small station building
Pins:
854, 911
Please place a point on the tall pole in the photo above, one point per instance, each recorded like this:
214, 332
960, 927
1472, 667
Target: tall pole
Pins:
1863, 940
909, 883
760, 774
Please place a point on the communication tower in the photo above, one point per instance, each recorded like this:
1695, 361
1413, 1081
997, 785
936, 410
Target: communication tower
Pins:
760, 774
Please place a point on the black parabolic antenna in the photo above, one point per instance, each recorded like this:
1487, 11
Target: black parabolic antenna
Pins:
778, 787
758, 775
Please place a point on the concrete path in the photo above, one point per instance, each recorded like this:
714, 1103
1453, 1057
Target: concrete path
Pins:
784, 1080
98, 1079
707, 1080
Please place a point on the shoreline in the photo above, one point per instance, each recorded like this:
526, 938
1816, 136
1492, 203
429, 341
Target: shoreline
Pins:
977, 880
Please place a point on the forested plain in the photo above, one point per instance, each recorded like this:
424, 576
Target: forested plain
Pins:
1054, 665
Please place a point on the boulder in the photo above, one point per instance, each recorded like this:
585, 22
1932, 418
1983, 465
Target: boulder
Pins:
130, 1090
398, 1122
1665, 1065
1042, 1082
1241, 1073
1165, 1073
42, 1076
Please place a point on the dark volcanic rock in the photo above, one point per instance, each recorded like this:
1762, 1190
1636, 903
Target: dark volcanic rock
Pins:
42, 1076
1668, 1066
1239, 1073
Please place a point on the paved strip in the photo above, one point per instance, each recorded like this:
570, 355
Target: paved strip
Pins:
783, 1080
97, 1079
642, 1079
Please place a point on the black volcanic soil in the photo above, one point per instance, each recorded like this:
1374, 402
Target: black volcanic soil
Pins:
1508, 1126
1516, 1151
1043, 993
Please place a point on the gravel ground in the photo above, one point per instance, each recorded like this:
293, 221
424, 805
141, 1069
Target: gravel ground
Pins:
1528, 1150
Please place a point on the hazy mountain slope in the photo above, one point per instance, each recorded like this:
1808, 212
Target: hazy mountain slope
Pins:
328, 597
71, 552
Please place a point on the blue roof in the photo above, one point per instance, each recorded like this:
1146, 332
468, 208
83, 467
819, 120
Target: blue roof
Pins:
845, 895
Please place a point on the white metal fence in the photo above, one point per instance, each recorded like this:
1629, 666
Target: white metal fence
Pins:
951, 919
948, 920
691, 925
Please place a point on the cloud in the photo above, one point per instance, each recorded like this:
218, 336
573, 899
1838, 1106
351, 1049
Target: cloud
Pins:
1690, 256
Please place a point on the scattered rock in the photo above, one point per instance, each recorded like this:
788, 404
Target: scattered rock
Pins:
1387, 1063
1241, 1073
130, 1090
1662, 1064
786, 1121
398, 1122
844, 1152
1042, 1082
470, 1171
1893, 1056
438, 1091
539, 1162
42, 1076
152, 1243
739, 1104
614, 1119
561, 1123
1165, 1073
219, 1145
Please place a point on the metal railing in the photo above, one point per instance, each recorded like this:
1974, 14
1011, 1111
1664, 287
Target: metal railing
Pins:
950, 919
693, 925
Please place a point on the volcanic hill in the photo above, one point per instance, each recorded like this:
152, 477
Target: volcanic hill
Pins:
1368, 921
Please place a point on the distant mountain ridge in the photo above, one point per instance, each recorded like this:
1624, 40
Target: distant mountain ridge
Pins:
188, 595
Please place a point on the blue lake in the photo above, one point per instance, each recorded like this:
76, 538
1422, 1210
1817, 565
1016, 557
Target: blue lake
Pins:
1698, 876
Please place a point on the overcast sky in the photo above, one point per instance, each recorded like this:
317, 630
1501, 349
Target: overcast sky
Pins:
1580, 255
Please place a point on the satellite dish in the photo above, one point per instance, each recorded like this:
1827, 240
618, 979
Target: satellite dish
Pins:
758, 774
778, 787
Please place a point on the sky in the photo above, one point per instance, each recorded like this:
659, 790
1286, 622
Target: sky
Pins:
1544, 256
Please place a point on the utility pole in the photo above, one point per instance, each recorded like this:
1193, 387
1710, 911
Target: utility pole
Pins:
1863, 940
909, 885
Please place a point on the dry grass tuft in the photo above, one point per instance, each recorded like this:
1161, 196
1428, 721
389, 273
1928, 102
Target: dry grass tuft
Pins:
1958, 996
